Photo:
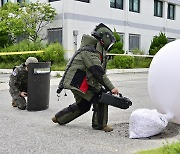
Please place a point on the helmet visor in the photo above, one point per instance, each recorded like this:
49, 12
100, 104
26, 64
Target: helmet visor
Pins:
109, 48
111, 41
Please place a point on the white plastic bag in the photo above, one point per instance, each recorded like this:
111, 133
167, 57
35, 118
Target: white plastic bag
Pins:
146, 123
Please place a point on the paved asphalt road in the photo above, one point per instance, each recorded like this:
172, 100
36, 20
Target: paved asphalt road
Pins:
24, 132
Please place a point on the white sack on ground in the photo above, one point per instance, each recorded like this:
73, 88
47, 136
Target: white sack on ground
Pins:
146, 123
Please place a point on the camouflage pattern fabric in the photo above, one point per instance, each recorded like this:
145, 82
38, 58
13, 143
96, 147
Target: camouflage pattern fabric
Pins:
17, 84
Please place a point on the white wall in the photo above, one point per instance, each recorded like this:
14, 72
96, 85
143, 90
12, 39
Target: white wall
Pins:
84, 16
75, 15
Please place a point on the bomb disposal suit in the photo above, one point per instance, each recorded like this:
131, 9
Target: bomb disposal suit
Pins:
85, 76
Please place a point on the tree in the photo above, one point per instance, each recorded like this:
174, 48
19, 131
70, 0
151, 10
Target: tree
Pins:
24, 20
11, 24
37, 16
157, 43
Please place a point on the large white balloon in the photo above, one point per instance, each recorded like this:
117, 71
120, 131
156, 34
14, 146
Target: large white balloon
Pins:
164, 80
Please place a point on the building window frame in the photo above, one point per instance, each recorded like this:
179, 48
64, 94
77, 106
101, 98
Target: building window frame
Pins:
171, 11
170, 39
116, 5
158, 8
22, 1
134, 6
4, 2
55, 35
53, 0
134, 41
86, 1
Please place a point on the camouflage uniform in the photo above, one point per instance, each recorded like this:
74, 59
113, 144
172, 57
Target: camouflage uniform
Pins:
85, 78
18, 83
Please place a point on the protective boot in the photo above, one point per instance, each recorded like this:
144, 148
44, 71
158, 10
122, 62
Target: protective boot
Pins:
14, 104
21, 106
54, 120
107, 128
21, 103
100, 116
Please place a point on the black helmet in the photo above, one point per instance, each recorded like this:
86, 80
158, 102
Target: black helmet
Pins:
104, 34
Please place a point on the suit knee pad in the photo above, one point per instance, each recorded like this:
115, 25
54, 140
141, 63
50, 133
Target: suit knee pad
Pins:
84, 105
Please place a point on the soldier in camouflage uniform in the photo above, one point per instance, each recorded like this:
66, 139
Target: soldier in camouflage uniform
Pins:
18, 84
85, 76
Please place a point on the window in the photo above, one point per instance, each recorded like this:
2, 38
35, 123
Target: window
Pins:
3, 2
87, 1
171, 39
55, 35
21, 38
134, 42
116, 4
53, 0
171, 11
158, 8
134, 5
121, 36
20, 1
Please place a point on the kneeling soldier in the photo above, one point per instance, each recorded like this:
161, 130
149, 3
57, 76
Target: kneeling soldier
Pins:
18, 84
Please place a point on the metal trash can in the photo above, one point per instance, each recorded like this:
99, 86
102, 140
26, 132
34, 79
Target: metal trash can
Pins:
38, 86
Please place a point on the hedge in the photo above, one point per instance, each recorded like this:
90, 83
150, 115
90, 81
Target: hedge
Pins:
53, 52
125, 62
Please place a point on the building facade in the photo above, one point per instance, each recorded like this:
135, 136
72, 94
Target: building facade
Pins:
137, 21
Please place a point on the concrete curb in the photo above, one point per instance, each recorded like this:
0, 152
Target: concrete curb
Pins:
110, 71
116, 71
5, 71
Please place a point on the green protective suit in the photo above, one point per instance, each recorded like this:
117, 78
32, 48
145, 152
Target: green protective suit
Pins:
84, 76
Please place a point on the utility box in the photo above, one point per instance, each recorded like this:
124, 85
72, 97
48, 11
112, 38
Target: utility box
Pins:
38, 86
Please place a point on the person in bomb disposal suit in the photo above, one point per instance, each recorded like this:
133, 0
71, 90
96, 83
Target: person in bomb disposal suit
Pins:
85, 76
18, 83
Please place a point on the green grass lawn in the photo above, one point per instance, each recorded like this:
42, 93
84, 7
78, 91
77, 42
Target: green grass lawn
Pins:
173, 148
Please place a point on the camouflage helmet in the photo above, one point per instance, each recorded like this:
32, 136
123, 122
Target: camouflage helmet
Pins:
104, 34
31, 60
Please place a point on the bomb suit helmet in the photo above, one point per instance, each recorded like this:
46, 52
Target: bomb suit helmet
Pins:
104, 35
